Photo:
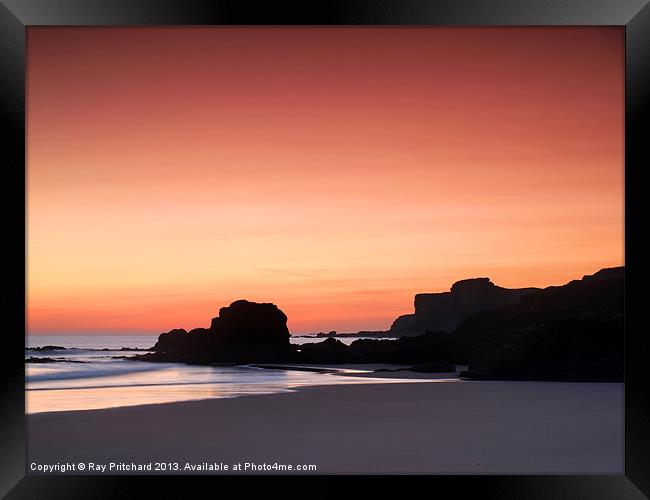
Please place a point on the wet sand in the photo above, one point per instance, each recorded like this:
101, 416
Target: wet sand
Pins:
437, 427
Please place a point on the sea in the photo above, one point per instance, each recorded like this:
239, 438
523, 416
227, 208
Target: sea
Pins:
89, 376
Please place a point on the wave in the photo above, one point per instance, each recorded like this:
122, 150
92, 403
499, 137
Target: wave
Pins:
154, 384
93, 369
78, 351
104, 371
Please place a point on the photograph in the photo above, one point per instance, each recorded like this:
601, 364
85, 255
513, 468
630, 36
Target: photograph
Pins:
325, 250
372, 242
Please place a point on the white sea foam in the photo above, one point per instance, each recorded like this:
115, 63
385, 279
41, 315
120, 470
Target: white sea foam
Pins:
102, 381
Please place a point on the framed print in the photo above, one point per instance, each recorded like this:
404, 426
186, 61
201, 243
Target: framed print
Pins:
354, 239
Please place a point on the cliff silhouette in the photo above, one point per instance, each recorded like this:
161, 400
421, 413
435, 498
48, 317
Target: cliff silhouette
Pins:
445, 311
568, 332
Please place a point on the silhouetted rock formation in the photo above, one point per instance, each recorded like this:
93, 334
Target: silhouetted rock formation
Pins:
243, 332
46, 348
447, 310
434, 347
580, 349
33, 359
569, 332
434, 368
363, 333
333, 333
328, 351
404, 325
426, 368
172, 341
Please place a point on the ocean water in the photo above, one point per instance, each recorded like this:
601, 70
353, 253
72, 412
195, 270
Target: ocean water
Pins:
92, 378
132, 341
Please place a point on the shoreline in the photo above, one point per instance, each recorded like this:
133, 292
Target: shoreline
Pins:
402, 427
350, 372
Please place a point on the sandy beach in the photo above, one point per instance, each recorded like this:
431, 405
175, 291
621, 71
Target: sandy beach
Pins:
438, 427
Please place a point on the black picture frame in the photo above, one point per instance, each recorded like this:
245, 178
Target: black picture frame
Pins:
17, 15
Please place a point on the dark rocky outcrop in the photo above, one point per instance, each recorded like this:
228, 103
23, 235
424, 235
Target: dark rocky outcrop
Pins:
404, 325
580, 349
243, 332
445, 311
328, 351
426, 368
46, 348
33, 359
427, 348
363, 333
134, 349
297, 368
434, 368
568, 332
332, 333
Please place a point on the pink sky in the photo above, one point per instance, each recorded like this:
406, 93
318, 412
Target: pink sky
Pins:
333, 171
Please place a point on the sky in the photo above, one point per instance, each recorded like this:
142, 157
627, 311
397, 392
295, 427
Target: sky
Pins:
333, 171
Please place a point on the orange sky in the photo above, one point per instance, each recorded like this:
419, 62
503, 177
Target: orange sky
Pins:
333, 171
